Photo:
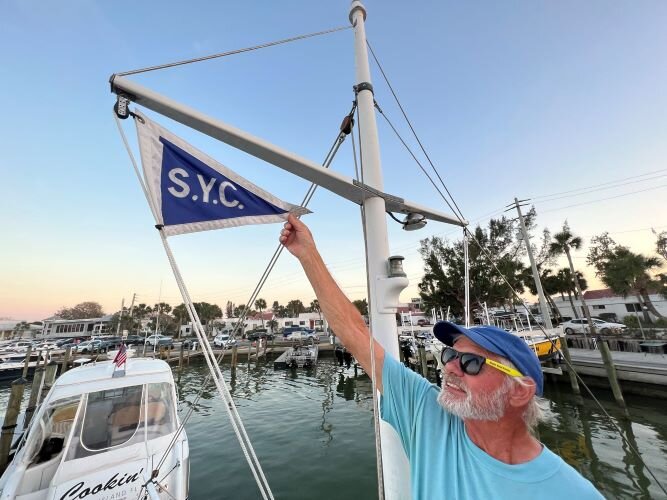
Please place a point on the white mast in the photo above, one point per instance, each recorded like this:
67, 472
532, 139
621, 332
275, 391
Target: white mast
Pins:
383, 290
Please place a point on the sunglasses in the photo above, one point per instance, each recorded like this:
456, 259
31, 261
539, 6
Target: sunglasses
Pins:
471, 364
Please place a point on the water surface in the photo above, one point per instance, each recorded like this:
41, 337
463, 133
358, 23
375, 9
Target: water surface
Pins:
313, 433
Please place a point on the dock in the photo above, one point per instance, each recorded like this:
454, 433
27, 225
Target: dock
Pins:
632, 368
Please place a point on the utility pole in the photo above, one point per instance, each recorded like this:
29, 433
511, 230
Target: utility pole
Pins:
546, 316
134, 296
120, 317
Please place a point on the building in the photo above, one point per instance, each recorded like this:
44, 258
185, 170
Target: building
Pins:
608, 305
55, 327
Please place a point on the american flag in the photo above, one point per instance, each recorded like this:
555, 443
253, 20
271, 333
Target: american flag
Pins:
121, 357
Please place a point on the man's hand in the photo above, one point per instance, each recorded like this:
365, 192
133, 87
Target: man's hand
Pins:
297, 238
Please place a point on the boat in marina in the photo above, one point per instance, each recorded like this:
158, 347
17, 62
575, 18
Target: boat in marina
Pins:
100, 433
13, 364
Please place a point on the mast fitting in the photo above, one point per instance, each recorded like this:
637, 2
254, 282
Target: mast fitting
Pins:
363, 86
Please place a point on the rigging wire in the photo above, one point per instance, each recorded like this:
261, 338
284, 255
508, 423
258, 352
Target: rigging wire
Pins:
235, 419
414, 133
231, 52
504, 278
309, 194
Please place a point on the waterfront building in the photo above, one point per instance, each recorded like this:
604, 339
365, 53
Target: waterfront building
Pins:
606, 304
57, 327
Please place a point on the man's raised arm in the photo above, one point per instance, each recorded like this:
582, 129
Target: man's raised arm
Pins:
343, 318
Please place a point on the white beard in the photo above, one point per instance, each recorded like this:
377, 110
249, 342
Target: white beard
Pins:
487, 406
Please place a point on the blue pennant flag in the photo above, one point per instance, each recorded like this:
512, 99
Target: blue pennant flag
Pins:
190, 191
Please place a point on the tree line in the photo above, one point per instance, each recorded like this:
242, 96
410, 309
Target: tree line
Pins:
626, 272
169, 319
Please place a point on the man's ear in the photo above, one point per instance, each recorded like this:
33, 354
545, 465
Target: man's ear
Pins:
522, 392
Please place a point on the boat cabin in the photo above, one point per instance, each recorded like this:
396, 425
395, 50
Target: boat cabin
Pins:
99, 435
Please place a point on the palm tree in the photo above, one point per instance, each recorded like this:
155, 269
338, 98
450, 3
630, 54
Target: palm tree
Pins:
551, 285
566, 285
563, 242
627, 272
261, 305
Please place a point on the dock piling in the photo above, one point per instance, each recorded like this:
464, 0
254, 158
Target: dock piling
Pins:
49, 379
611, 373
37, 378
26, 362
9, 424
65, 363
234, 357
570, 368
422, 360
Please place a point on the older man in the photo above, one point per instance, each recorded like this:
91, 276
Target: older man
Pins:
473, 438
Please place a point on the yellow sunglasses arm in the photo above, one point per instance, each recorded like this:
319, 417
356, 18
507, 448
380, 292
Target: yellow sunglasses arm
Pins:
503, 368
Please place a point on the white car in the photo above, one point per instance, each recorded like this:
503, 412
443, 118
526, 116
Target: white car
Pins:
223, 340
601, 326
158, 340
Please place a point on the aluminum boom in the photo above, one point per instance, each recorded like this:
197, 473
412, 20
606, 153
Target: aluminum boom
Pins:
337, 183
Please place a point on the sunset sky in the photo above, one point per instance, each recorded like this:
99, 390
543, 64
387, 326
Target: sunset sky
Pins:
563, 102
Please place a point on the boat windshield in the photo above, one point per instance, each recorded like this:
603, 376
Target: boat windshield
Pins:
123, 417
49, 435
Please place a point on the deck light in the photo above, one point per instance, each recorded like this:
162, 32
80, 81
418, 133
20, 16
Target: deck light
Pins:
414, 221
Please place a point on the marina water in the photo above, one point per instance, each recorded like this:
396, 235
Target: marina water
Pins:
313, 433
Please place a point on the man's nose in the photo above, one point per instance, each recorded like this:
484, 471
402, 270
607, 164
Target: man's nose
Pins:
454, 367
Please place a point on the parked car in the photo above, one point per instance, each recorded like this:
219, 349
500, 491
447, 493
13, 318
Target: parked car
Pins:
134, 340
62, 342
223, 340
109, 342
159, 340
601, 326
259, 334
305, 333
423, 322
88, 346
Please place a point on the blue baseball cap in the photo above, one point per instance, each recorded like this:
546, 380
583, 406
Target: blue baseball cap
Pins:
499, 342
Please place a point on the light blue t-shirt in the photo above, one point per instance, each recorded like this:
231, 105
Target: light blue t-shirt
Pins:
445, 463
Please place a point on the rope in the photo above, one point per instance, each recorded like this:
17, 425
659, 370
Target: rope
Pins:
309, 194
492, 262
235, 418
231, 52
359, 171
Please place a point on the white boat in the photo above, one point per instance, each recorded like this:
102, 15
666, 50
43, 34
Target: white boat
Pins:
13, 364
98, 435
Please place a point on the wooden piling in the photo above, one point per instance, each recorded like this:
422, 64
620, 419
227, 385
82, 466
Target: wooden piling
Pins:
37, 378
65, 364
180, 359
422, 358
26, 362
574, 383
9, 424
611, 373
49, 379
234, 356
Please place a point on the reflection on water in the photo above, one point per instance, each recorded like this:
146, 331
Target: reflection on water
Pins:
313, 433
581, 433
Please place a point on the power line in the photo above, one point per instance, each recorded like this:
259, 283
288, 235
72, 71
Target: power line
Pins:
604, 199
634, 177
